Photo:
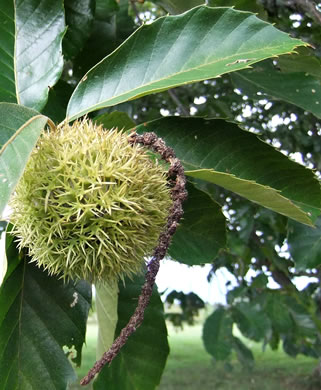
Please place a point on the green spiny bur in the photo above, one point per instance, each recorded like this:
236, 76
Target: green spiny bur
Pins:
90, 205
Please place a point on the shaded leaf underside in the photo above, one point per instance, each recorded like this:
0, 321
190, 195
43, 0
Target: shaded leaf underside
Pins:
305, 244
20, 128
140, 363
201, 233
39, 315
298, 88
221, 153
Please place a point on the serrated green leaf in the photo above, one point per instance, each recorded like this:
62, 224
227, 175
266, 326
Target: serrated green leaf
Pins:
58, 98
260, 281
200, 44
264, 195
305, 245
298, 88
278, 313
251, 320
306, 324
222, 153
79, 19
106, 8
244, 354
115, 119
201, 233
178, 6
38, 316
304, 61
244, 5
30, 56
140, 363
106, 306
7, 41
112, 25
10, 253
217, 334
20, 128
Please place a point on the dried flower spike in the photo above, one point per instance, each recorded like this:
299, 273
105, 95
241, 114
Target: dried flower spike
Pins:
178, 194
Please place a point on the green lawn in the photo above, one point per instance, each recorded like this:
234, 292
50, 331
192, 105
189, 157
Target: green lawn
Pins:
189, 367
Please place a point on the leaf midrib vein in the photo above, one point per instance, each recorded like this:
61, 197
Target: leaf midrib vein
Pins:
190, 70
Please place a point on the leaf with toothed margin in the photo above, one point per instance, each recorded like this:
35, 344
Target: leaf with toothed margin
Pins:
20, 128
202, 43
79, 18
299, 88
178, 6
31, 59
38, 316
305, 244
222, 153
201, 232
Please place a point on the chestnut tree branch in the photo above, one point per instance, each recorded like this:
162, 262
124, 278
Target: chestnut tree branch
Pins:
308, 6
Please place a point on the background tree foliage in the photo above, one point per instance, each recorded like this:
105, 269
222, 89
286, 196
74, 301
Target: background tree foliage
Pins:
250, 206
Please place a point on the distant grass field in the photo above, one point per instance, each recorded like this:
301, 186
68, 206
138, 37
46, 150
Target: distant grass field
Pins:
189, 367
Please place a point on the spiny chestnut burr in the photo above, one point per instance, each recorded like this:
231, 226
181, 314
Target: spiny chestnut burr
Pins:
90, 205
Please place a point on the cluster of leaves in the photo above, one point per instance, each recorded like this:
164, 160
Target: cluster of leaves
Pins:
97, 68
189, 304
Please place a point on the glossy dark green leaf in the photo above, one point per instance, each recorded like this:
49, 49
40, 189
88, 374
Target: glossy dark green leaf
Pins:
178, 6
217, 334
10, 253
305, 61
7, 42
111, 26
106, 8
3, 259
79, 19
298, 88
260, 281
175, 50
306, 324
244, 354
305, 244
220, 152
31, 61
278, 313
274, 341
115, 119
20, 128
140, 363
236, 294
244, 5
201, 233
59, 95
251, 320
38, 316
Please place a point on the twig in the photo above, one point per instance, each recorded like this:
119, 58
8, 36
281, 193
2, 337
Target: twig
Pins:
132, 2
179, 104
307, 6
178, 193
